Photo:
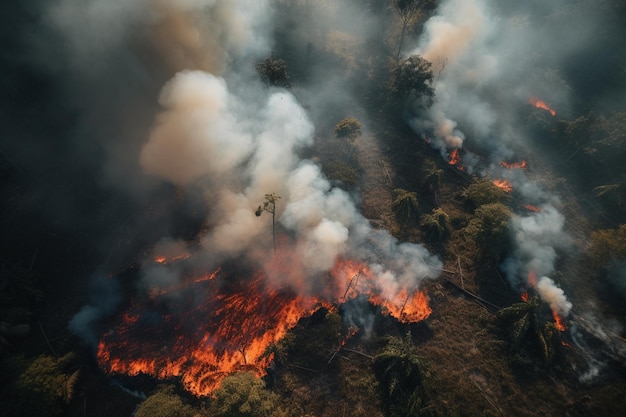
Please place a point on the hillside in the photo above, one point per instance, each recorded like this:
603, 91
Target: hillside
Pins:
313, 208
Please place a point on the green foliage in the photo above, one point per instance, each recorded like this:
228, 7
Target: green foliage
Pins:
483, 191
164, 403
431, 178
490, 229
273, 72
244, 395
595, 143
402, 376
45, 386
608, 245
435, 225
405, 205
342, 172
348, 128
411, 83
528, 335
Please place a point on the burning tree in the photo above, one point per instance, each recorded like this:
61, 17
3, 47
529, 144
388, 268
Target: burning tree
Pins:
528, 334
269, 205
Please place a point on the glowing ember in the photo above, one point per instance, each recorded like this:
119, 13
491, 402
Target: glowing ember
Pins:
512, 165
532, 208
504, 184
558, 321
160, 259
455, 159
541, 105
228, 323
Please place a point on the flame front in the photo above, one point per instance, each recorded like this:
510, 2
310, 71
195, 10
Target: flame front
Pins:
540, 104
558, 321
504, 184
513, 165
455, 159
228, 324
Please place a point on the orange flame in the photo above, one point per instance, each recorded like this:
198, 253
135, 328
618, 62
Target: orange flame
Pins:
558, 321
512, 165
532, 208
540, 104
524, 296
228, 326
504, 184
160, 259
455, 159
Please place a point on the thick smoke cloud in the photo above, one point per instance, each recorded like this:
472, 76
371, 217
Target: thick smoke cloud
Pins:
166, 95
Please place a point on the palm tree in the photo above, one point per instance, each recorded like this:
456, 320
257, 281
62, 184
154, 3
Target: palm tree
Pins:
615, 193
401, 373
405, 204
526, 331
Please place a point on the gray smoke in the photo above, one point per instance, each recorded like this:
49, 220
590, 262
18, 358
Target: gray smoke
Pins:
482, 76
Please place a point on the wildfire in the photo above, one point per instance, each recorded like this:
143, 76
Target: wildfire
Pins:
532, 208
540, 104
512, 165
160, 259
229, 323
558, 321
524, 296
455, 159
504, 184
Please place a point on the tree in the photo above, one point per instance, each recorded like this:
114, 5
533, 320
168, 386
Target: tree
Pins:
608, 245
401, 374
45, 386
431, 178
244, 395
164, 403
348, 129
613, 193
269, 205
405, 205
527, 333
490, 229
339, 171
408, 11
483, 191
411, 83
435, 225
273, 72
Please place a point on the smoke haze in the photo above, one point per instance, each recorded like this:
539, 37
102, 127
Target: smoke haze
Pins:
133, 120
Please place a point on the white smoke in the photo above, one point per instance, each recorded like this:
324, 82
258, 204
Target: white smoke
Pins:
207, 137
477, 84
554, 296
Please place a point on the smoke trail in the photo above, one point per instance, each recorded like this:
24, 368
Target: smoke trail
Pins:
481, 80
